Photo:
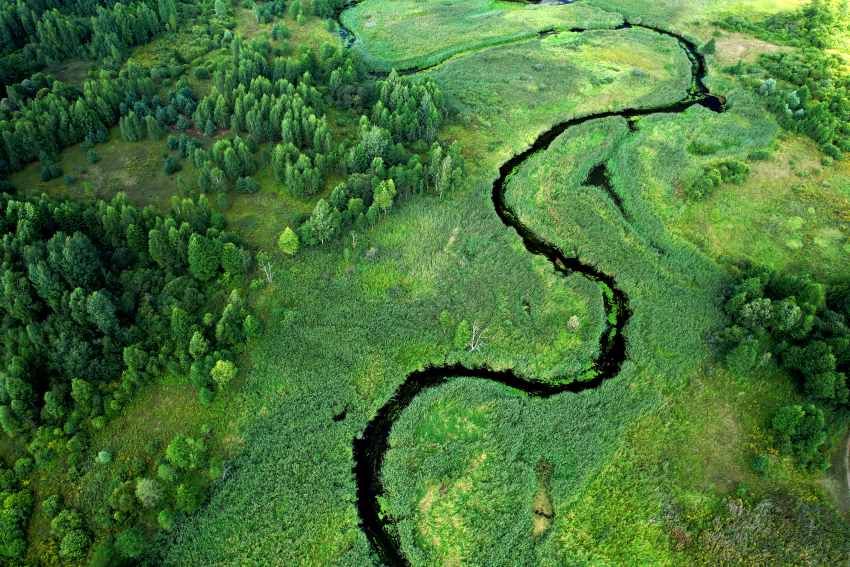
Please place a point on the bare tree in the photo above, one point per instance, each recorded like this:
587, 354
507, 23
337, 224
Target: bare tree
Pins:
476, 339
266, 267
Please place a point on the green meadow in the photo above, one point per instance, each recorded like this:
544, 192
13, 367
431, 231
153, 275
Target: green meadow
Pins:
413, 35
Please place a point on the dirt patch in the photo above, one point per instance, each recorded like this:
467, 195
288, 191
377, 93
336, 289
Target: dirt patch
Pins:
735, 47
428, 500
542, 509
543, 513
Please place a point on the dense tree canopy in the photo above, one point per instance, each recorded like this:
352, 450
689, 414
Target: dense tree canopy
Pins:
98, 296
804, 326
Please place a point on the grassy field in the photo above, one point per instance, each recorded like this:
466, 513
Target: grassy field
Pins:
474, 450
389, 305
476, 470
682, 491
664, 496
135, 168
792, 213
543, 82
412, 34
455, 487
690, 15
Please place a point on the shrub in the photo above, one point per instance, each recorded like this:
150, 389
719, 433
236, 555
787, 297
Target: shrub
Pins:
166, 473
165, 519
714, 176
171, 165
288, 242
74, 545
223, 372
247, 185
149, 492
801, 431
185, 452
760, 464
51, 506
130, 543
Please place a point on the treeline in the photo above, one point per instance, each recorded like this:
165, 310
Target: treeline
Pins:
16, 502
809, 92
817, 24
98, 297
19, 19
38, 128
807, 89
103, 30
380, 165
804, 326
263, 99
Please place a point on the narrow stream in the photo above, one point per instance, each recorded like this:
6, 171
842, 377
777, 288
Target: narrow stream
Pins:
371, 446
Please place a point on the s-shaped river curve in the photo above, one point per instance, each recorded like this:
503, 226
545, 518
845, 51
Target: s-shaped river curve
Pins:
371, 446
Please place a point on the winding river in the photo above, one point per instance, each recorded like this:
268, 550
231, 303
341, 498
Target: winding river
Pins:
371, 446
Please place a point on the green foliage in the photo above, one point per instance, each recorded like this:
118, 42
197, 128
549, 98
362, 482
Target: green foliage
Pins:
814, 100
801, 431
74, 545
713, 176
97, 306
149, 492
223, 372
760, 464
246, 185
234, 259
165, 520
130, 543
204, 257
51, 506
171, 165
166, 473
15, 509
186, 452
796, 320
819, 23
288, 242
198, 346
807, 88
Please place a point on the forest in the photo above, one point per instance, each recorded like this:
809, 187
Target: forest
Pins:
314, 282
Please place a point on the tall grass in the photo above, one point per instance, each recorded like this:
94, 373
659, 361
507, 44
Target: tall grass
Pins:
410, 34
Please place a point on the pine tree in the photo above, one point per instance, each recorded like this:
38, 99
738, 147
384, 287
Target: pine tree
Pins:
168, 13
233, 259
153, 127
204, 257
158, 248
198, 345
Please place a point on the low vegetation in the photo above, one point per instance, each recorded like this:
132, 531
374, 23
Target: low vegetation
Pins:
406, 35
